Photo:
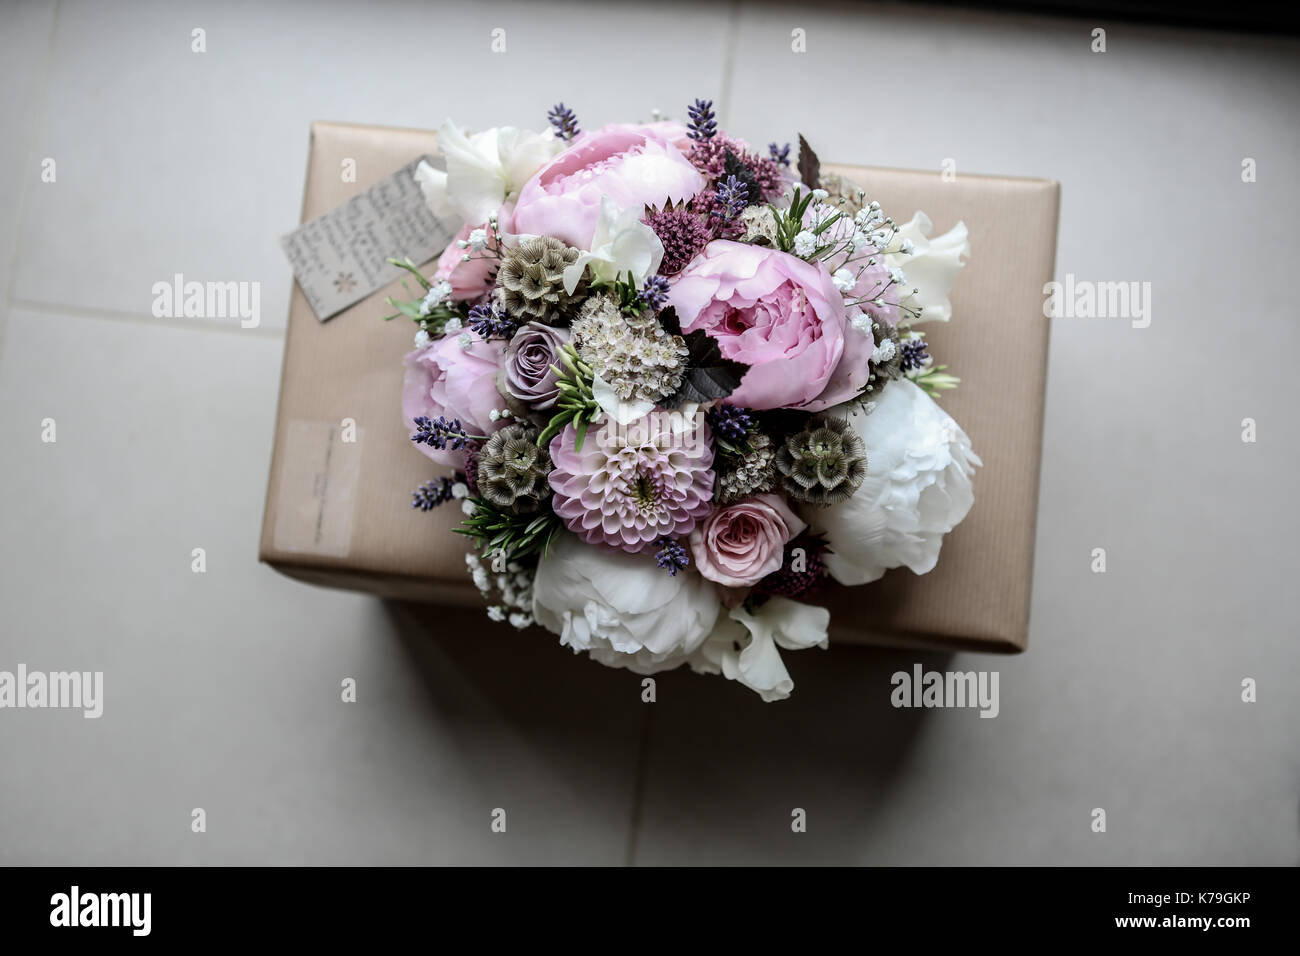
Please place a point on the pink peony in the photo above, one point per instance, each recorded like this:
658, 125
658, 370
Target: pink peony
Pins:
740, 544
635, 166
442, 379
780, 315
633, 484
470, 280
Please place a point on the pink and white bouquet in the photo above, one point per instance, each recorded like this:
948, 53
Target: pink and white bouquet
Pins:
679, 383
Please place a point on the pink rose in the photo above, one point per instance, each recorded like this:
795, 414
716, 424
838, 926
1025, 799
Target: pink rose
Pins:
470, 280
780, 315
740, 544
442, 379
635, 166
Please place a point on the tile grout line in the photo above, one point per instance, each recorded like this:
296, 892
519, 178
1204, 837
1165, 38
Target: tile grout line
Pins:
37, 118
638, 790
131, 318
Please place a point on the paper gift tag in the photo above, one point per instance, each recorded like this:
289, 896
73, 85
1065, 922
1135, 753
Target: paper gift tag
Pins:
341, 257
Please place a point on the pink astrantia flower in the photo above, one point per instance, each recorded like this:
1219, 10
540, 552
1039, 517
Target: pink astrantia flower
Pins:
742, 543
445, 379
635, 166
780, 315
633, 484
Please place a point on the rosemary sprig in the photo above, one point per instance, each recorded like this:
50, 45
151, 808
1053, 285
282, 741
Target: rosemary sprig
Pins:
509, 536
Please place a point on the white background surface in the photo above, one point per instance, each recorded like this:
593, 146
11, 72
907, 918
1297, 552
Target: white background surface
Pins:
222, 689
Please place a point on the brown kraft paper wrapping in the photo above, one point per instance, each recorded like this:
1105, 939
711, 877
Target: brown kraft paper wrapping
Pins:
338, 507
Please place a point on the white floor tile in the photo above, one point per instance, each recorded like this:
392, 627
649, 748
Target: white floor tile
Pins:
223, 689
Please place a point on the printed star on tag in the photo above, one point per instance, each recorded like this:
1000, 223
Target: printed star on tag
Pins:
345, 283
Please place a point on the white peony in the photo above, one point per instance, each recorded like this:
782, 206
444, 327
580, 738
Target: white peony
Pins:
483, 170
932, 267
622, 243
622, 608
917, 489
746, 647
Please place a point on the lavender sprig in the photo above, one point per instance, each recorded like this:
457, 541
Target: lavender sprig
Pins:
704, 121
730, 423
442, 433
732, 198
779, 154
564, 121
490, 321
671, 556
654, 294
914, 355
432, 493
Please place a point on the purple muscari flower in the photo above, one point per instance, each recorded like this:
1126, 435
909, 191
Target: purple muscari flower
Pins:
654, 293
779, 154
671, 556
732, 197
564, 121
731, 422
432, 493
914, 355
704, 121
440, 433
490, 321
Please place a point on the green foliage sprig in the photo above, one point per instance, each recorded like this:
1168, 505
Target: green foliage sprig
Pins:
576, 402
436, 318
511, 536
789, 223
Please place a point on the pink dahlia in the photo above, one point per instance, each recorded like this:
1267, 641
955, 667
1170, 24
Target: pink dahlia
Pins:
633, 484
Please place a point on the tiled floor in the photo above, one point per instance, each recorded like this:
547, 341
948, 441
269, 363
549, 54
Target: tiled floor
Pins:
225, 685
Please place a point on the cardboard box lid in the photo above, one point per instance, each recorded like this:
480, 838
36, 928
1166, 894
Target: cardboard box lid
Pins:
338, 512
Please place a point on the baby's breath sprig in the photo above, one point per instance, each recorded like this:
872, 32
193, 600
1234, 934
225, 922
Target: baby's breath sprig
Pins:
432, 309
791, 233
576, 402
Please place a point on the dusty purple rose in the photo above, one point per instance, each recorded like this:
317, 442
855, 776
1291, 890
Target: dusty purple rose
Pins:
528, 360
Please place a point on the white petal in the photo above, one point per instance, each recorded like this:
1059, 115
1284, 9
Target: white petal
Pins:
613, 406
932, 268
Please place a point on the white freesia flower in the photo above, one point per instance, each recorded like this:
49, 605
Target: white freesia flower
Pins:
621, 244
483, 170
917, 489
932, 267
746, 647
621, 608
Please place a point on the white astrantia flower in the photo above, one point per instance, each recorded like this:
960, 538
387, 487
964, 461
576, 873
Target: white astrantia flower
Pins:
917, 489
931, 268
621, 244
746, 647
483, 170
620, 608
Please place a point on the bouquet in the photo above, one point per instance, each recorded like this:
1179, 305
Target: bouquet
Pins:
677, 384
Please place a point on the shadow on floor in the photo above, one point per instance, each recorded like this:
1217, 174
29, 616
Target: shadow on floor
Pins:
714, 773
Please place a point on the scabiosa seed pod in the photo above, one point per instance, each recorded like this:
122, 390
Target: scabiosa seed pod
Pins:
824, 463
751, 473
531, 281
511, 471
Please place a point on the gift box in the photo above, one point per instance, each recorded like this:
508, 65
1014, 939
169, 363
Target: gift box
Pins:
338, 506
